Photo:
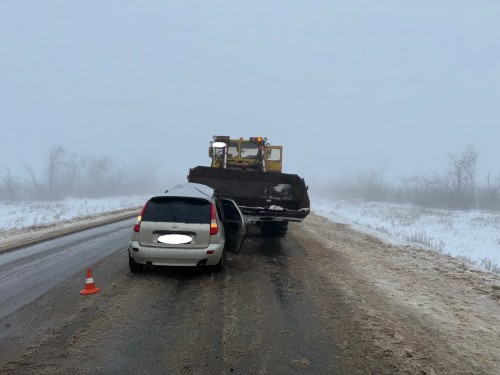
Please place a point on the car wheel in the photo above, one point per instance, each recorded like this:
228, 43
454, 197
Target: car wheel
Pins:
219, 267
134, 266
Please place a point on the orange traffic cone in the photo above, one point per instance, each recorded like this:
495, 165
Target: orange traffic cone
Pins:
89, 284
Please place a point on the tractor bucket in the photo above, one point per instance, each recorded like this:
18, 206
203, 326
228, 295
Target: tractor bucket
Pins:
262, 196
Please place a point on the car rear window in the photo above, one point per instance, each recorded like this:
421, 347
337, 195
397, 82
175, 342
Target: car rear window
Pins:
181, 210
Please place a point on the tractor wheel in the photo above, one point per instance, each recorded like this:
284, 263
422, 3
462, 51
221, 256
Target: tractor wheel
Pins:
274, 228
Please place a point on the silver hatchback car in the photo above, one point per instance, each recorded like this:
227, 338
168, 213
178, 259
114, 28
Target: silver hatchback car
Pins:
189, 225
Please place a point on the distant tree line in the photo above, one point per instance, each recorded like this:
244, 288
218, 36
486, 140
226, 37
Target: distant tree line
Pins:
459, 187
71, 175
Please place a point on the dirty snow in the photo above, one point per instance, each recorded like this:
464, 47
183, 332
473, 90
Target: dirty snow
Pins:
276, 208
281, 188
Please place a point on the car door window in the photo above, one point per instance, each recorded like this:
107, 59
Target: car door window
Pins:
234, 225
230, 211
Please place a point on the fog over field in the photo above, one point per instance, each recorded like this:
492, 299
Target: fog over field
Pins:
136, 90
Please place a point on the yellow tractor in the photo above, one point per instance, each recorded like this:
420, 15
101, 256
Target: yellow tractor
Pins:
250, 171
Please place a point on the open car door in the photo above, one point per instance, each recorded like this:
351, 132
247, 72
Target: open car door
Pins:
234, 225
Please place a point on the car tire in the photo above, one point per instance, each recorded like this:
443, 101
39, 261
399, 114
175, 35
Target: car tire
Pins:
134, 266
219, 267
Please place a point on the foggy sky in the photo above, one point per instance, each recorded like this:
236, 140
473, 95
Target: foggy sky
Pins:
344, 86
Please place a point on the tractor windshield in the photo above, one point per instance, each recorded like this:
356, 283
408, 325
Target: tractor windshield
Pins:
233, 150
249, 150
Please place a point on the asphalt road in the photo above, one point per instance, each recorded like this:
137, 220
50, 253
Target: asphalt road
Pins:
252, 318
325, 299
28, 273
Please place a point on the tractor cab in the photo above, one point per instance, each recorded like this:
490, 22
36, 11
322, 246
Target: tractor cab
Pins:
252, 154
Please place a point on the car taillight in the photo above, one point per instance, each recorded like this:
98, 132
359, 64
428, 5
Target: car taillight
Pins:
214, 227
137, 225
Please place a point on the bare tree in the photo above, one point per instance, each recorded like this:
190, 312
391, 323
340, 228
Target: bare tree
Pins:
372, 185
489, 195
35, 190
462, 173
73, 170
415, 183
9, 190
55, 162
469, 160
99, 176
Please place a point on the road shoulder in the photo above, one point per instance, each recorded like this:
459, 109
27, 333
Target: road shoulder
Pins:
422, 311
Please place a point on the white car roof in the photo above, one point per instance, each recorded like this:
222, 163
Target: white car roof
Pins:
191, 189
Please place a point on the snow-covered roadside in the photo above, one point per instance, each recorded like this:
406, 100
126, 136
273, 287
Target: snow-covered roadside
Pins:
473, 236
16, 238
18, 215
26, 223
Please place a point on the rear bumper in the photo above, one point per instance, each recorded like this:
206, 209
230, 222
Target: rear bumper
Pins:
174, 256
